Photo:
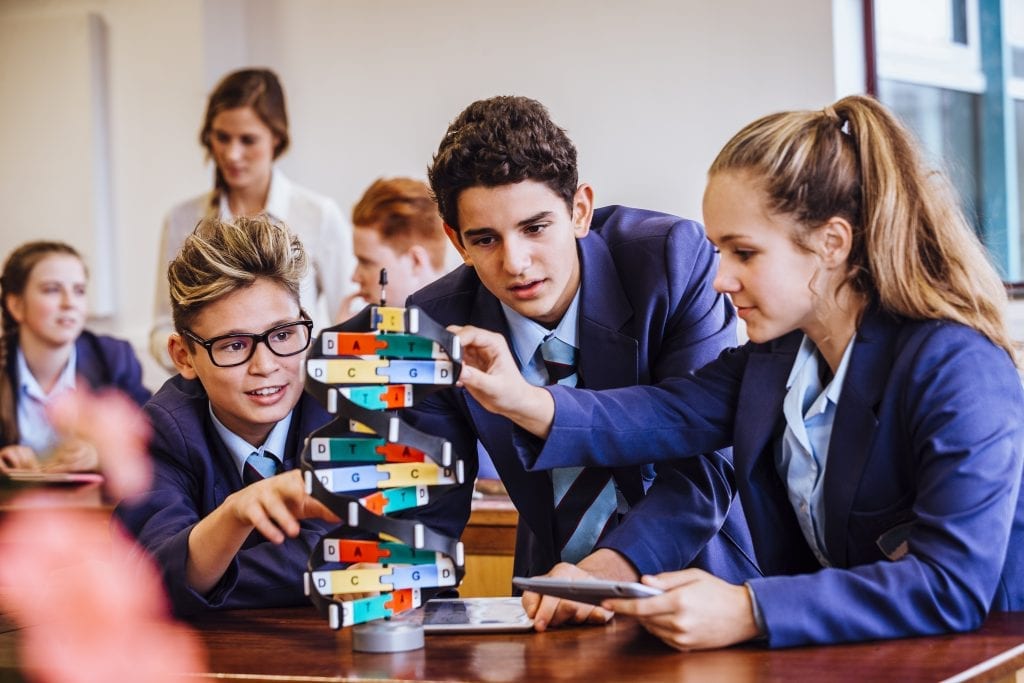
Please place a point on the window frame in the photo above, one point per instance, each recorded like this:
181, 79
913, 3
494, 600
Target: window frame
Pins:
982, 66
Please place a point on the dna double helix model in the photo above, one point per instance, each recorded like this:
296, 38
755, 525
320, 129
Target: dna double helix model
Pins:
368, 463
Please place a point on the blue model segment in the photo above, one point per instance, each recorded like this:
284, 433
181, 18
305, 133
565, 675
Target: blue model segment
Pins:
417, 371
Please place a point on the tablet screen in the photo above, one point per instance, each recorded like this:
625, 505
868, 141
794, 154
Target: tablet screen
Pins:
475, 615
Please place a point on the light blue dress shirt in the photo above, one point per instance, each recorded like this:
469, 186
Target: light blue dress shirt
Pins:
802, 453
34, 428
240, 449
527, 336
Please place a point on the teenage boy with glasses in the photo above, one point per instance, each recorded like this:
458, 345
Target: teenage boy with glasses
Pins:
228, 519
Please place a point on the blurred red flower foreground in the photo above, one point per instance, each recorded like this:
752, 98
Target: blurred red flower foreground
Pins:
91, 607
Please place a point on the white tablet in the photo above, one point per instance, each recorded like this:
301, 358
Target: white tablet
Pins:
592, 591
475, 615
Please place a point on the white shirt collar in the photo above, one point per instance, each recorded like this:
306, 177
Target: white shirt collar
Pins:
807, 359
278, 198
65, 381
527, 334
240, 449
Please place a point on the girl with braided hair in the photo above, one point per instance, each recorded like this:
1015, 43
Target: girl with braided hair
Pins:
46, 351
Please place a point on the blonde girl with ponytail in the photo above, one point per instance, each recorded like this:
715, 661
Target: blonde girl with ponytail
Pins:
876, 415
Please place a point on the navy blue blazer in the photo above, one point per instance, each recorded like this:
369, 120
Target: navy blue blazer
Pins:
923, 525
192, 475
103, 362
647, 312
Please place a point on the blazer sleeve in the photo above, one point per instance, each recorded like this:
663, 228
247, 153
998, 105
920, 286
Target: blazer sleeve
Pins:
961, 405
677, 418
684, 509
126, 372
183, 492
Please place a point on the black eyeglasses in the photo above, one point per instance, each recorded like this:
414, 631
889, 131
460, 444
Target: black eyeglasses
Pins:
229, 350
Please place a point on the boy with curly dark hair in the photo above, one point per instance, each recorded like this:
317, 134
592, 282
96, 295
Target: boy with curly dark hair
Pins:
598, 298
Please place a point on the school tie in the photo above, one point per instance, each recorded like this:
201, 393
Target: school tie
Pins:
259, 467
584, 497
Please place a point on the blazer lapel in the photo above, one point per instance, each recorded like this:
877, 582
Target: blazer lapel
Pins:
779, 545
609, 357
530, 491
227, 479
760, 402
89, 363
854, 428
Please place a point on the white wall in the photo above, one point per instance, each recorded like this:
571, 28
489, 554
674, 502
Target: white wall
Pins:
68, 49
648, 89
155, 89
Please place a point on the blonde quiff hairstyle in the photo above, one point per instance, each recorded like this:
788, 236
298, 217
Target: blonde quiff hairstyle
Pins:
913, 252
221, 257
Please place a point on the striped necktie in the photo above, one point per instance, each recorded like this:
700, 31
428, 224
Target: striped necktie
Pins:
259, 467
584, 497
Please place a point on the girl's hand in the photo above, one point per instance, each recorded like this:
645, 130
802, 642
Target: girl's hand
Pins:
490, 374
115, 429
697, 611
73, 455
18, 457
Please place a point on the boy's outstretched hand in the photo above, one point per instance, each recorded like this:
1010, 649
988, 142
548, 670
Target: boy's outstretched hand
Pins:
275, 505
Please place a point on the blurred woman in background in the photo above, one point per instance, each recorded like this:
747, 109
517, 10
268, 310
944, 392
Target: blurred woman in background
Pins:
245, 131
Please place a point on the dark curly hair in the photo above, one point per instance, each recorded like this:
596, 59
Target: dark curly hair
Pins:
500, 141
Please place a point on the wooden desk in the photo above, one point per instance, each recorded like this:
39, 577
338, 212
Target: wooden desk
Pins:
85, 497
295, 643
489, 541
489, 538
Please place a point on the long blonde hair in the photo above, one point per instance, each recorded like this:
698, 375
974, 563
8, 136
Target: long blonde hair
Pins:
913, 251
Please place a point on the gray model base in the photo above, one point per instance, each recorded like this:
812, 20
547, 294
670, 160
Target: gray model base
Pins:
387, 636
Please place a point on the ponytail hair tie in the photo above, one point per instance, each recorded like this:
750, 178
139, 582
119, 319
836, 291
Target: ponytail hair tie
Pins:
842, 124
